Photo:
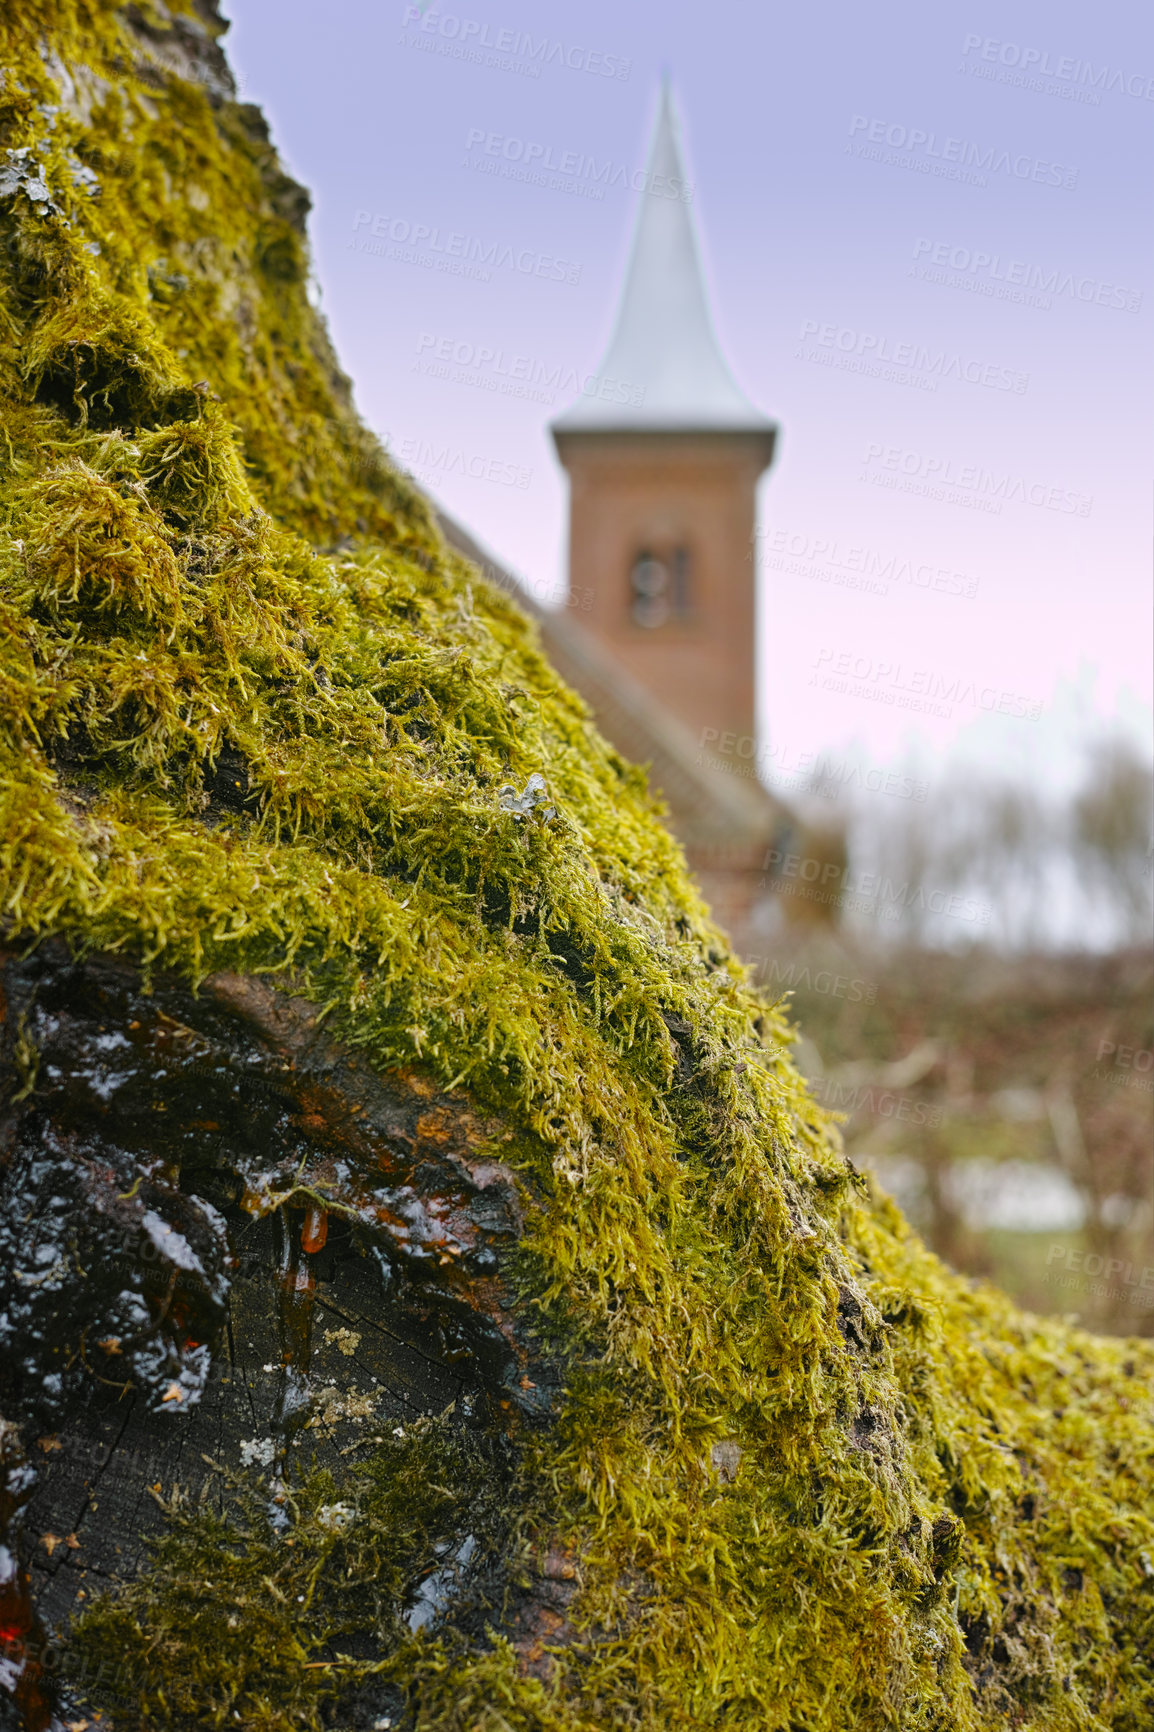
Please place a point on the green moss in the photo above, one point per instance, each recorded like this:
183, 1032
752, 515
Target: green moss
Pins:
240, 1621
206, 561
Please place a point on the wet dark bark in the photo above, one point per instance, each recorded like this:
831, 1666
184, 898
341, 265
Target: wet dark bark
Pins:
223, 1235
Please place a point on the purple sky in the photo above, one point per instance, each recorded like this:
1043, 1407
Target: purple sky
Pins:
959, 516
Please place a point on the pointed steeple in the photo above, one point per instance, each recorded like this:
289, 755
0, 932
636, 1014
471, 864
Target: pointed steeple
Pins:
663, 370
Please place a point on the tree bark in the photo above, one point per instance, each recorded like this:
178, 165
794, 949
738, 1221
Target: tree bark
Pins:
196, 1269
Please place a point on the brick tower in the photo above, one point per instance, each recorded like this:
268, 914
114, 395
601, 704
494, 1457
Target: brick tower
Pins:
663, 458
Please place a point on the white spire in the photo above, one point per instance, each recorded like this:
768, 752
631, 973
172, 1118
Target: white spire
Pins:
664, 359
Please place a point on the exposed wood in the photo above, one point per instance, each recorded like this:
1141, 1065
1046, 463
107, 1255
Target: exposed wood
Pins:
225, 1237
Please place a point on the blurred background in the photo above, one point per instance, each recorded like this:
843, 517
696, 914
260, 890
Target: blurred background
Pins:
891, 665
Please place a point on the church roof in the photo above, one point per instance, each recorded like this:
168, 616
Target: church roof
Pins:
724, 816
664, 351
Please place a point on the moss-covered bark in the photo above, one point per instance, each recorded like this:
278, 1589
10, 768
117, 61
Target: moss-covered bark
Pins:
257, 720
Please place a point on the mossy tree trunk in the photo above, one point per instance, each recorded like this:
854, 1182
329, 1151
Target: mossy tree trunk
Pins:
332, 1056
229, 1244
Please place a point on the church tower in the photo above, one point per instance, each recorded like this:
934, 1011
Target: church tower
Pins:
663, 456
